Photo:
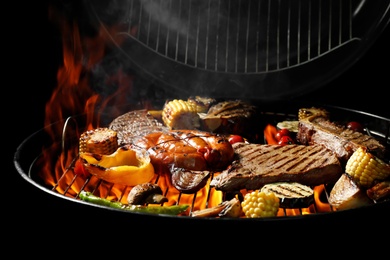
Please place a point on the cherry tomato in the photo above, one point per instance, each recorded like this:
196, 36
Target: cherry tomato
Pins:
355, 126
282, 132
284, 140
235, 139
80, 170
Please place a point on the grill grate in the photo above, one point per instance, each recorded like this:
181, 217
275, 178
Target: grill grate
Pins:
269, 49
119, 193
69, 185
241, 36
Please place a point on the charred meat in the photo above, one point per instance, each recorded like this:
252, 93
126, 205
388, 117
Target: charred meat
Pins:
256, 165
232, 117
316, 128
135, 124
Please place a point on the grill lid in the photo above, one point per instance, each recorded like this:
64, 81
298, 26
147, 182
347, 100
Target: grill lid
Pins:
269, 49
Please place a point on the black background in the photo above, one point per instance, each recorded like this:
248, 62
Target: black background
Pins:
32, 213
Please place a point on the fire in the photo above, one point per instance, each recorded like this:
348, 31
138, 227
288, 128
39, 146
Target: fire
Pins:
270, 133
75, 95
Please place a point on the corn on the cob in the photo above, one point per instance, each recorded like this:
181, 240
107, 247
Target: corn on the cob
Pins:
100, 141
202, 103
312, 112
259, 204
366, 169
180, 114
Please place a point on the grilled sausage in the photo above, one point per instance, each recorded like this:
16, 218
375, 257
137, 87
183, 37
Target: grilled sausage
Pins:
188, 149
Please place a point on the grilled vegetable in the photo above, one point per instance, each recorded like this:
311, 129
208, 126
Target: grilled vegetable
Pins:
345, 194
230, 208
291, 194
235, 139
312, 112
168, 210
355, 126
291, 126
366, 169
202, 103
180, 114
125, 166
285, 140
287, 128
188, 181
259, 204
146, 193
380, 191
99, 141
282, 132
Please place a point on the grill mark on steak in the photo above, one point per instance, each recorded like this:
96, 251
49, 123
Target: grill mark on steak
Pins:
341, 140
133, 125
256, 165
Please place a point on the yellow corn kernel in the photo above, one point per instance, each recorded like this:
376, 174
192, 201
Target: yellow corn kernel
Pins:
259, 204
366, 169
312, 112
99, 141
180, 114
202, 103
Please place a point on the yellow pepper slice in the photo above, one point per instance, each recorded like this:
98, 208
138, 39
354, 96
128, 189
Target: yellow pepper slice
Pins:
125, 166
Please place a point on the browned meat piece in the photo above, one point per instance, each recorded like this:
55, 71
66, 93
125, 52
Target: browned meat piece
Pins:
256, 165
380, 191
187, 181
346, 194
232, 117
342, 141
135, 124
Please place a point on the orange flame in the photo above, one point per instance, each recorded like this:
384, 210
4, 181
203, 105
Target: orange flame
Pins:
270, 133
74, 95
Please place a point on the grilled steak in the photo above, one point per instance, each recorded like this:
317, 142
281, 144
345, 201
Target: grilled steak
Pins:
255, 165
341, 140
135, 124
232, 117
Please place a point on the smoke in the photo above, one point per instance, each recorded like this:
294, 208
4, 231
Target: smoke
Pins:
216, 47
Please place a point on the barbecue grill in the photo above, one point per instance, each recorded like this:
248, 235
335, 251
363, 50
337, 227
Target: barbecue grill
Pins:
61, 211
64, 151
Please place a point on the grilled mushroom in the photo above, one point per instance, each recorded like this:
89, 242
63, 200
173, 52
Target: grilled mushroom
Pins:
146, 193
